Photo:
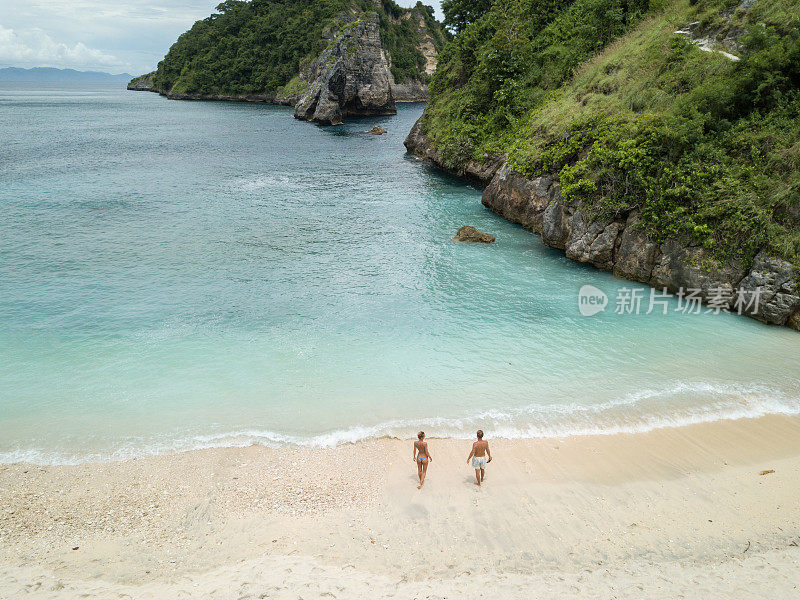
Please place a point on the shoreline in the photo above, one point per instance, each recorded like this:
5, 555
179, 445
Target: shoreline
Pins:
601, 509
745, 425
289, 101
402, 430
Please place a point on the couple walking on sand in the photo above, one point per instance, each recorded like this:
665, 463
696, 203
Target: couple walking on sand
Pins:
479, 455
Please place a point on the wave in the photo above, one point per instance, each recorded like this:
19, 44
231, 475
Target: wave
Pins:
639, 412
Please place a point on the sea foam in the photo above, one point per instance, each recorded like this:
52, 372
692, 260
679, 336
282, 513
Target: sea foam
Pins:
639, 412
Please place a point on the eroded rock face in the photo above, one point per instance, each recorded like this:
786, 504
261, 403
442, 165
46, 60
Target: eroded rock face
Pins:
351, 77
637, 253
469, 234
592, 242
410, 91
690, 267
418, 143
778, 299
519, 199
794, 321
556, 221
621, 246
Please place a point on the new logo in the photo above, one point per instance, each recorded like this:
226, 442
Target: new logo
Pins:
591, 300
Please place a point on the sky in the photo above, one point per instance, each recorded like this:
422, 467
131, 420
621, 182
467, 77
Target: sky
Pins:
117, 36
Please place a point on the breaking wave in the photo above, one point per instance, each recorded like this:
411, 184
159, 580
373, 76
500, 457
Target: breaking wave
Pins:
641, 412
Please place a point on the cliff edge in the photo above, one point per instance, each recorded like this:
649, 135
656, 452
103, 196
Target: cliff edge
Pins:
351, 77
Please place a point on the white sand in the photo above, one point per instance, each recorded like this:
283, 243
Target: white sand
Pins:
667, 514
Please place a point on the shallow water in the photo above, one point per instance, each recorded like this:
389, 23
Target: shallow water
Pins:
188, 274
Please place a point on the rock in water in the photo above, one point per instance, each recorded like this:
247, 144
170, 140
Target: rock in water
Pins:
377, 130
350, 77
470, 234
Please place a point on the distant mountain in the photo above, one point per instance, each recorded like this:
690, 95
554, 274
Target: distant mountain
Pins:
48, 74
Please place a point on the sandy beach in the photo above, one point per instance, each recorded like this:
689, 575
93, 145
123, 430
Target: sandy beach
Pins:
672, 513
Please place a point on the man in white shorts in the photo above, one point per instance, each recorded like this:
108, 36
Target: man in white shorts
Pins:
479, 454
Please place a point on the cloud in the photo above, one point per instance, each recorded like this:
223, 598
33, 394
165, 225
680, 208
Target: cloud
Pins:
137, 33
34, 47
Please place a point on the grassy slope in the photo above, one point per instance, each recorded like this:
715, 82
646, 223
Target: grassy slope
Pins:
259, 46
704, 146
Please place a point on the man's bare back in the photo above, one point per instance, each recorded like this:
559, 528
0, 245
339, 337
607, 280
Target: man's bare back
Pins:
479, 448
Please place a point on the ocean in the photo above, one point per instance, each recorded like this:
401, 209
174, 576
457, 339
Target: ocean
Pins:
179, 275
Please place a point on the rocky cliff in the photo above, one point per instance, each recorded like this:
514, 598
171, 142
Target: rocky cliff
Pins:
330, 58
351, 77
428, 45
768, 290
655, 140
410, 91
479, 171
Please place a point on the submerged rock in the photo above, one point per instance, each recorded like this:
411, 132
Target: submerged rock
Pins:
377, 130
470, 234
351, 77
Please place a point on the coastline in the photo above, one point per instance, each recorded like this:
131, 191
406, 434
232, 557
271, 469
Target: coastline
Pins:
580, 515
411, 97
677, 264
511, 424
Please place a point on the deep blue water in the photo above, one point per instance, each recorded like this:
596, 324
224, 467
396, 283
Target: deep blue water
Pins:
184, 274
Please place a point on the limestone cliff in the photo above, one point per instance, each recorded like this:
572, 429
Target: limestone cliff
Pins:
481, 172
351, 76
416, 89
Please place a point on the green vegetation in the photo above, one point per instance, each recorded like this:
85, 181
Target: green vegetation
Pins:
260, 46
295, 87
460, 13
630, 115
401, 34
510, 61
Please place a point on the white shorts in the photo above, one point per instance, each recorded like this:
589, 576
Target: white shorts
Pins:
478, 462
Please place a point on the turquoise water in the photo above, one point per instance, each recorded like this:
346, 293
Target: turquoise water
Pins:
183, 274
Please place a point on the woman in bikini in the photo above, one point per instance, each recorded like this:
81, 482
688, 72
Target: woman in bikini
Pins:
422, 457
